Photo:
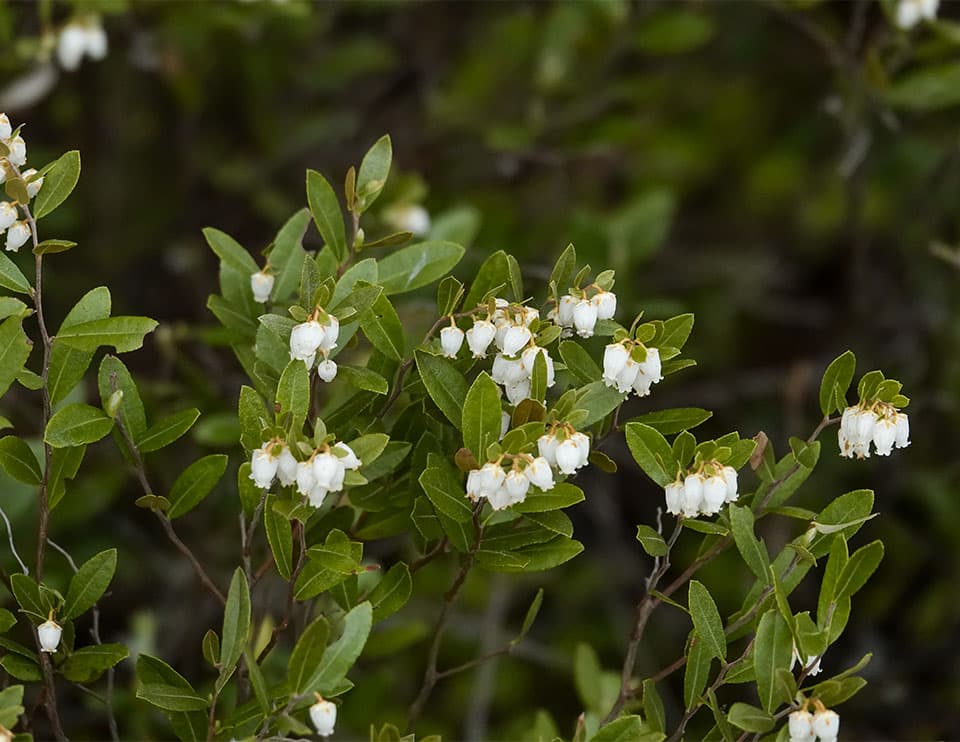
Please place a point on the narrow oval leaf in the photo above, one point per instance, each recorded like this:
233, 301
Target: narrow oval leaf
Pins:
76, 425
166, 431
17, 460
772, 651
652, 452
307, 655
418, 265
651, 541
236, 625
482, 415
706, 620
392, 592
195, 483
89, 583
280, 538
327, 215
58, 184
445, 384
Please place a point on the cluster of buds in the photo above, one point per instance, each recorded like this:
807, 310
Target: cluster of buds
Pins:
579, 312
505, 487
81, 38
261, 283
879, 423
13, 156
912, 12
314, 478
316, 335
702, 492
807, 727
49, 633
323, 714
629, 365
565, 448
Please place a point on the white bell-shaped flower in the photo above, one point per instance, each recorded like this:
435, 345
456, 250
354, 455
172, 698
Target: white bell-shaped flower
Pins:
866, 421
517, 485
33, 186
480, 336
540, 474
642, 382
673, 495
317, 495
692, 495
800, 726
606, 303
326, 468
306, 479
804, 662
5, 128
49, 633
547, 447
615, 357
714, 494
17, 234
305, 339
507, 370
652, 365
565, 309
583, 445
529, 357
71, 45
451, 340
884, 436
584, 318
569, 455
848, 421
350, 461
903, 430
515, 339
628, 376
518, 391
410, 218
527, 315
263, 466
262, 284
323, 714
331, 333
97, 44
730, 477
826, 724
492, 477
912, 12
327, 370
499, 498
18, 151
286, 467
8, 215
475, 485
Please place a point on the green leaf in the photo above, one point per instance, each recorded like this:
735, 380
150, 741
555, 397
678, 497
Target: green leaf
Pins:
752, 550
698, 669
76, 425
828, 587
68, 364
626, 729
653, 706
89, 583
445, 384
706, 620
123, 333
287, 257
280, 538
52, 247
449, 293
171, 697
236, 625
363, 378
113, 375
392, 592
27, 593
364, 270
382, 326
418, 265
494, 273
930, 88
293, 394
89, 663
535, 558
651, 541
674, 420
579, 362
22, 668
11, 705
327, 215
17, 460
750, 718
14, 351
599, 400
230, 251
340, 656
862, 563
12, 278
530, 616
772, 651
836, 380
652, 452
676, 331
444, 489
563, 269
373, 172
195, 483
58, 184
167, 430
563, 495
482, 415
307, 655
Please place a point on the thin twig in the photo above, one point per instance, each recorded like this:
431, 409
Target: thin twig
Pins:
13, 548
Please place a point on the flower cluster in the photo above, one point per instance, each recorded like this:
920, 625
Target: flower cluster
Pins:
323, 714
503, 488
81, 38
702, 492
912, 12
322, 473
630, 366
879, 423
806, 727
577, 312
316, 336
565, 448
261, 283
13, 156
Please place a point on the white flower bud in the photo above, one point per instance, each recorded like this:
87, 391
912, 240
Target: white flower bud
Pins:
714, 494
517, 485
615, 357
350, 461
71, 45
515, 339
306, 480
826, 724
692, 495
33, 186
286, 467
584, 318
547, 446
491, 479
569, 455
331, 332
505, 421
323, 714
18, 151
5, 128
317, 495
305, 339
540, 474
17, 234
565, 310
49, 633
903, 430
606, 303
480, 336
327, 370
325, 469
529, 357
451, 340
96, 42
8, 215
583, 442
730, 477
673, 495
262, 284
507, 371
884, 436
801, 726
518, 391
263, 466
474, 481
652, 366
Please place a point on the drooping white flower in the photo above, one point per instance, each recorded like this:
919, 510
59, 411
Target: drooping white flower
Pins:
529, 357
912, 12
628, 376
518, 391
33, 186
97, 45
262, 284
714, 494
71, 45
410, 218
800, 725
517, 485
730, 477
305, 339
49, 633
547, 446
306, 479
474, 485
263, 466
507, 370
350, 461
323, 714
499, 498
673, 494
526, 315
652, 366
491, 479
286, 467
584, 318
565, 310
692, 495
326, 469
540, 474
583, 444
903, 430
327, 370
515, 339
5, 128
884, 436
865, 422
573, 453
606, 303
451, 340
826, 724
480, 336
615, 357
18, 151
331, 333
804, 662
317, 495
8, 215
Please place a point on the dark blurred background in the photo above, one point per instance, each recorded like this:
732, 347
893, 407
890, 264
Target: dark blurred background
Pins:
788, 171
